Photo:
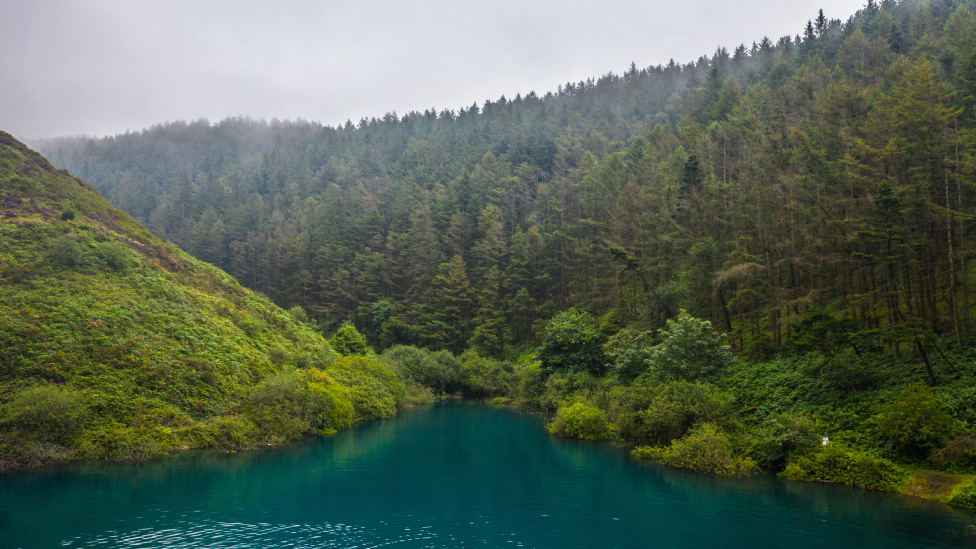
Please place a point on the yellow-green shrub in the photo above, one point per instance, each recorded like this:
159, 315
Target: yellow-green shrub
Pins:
837, 463
964, 495
581, 421
706, 448
353, 370
47, 413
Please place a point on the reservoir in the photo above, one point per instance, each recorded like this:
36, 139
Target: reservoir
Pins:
453, 474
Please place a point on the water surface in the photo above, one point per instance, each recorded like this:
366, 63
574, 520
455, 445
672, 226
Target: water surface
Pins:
455, 474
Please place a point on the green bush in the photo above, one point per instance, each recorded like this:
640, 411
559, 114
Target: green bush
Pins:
628, 351
561, 387
125, 443
351, 370
48, 413
289, 405
115, 255
782, 435
706, 448
224, 433
251, 326
483, 376
348, 341
581, 421
333, 408
439, 371
964, 495
690, 350
572, 343
298, 314
916, 422
371, 400
278, 356
836, 463
66, 251
656, 413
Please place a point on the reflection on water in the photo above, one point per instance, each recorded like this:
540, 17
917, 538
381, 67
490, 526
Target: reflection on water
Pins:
456, 474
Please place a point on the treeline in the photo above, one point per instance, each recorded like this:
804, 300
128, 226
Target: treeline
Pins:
826, 172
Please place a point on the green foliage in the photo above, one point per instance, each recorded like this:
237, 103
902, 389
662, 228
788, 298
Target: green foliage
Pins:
225, 433
627, 351
837, 463
964, 495
706, 448
289, 405
46, 413
572, 343
581, 421
483, 376
348, 341
66, 251
690, 350
298, 314
374, 389
783, 435
115, 255
655, 413
916, 422
278, 356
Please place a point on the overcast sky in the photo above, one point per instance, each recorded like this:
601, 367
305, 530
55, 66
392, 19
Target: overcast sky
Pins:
103, 67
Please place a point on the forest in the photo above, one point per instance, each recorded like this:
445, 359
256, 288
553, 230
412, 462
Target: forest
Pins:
810, 197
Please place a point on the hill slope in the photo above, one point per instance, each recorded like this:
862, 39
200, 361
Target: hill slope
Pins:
115, 344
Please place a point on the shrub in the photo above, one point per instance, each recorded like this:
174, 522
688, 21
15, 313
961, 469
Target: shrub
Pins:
351, 370
706, 448
439, 371
298, 314
916, 422
581, 421
348, 341
66, 251
628, 352
837, 463
783, 435
657, 413
115, 255
289, 405
483, 376
250, 326
690, 350
48, 413
278, 356
417, 394
123, 443
371, 400
409, 358
572, 343
225, 433
964, 495
562, 386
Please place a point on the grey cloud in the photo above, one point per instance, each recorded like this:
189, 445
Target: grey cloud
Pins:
102, 67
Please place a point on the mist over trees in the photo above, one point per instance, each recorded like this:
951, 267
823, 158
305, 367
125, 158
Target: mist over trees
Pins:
812, 184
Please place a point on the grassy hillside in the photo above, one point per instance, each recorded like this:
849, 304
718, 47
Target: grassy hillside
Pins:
115, 344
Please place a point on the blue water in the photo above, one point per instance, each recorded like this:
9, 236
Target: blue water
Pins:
455, 474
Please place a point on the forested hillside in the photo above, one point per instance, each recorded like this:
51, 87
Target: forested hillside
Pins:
821, 181
116, 345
